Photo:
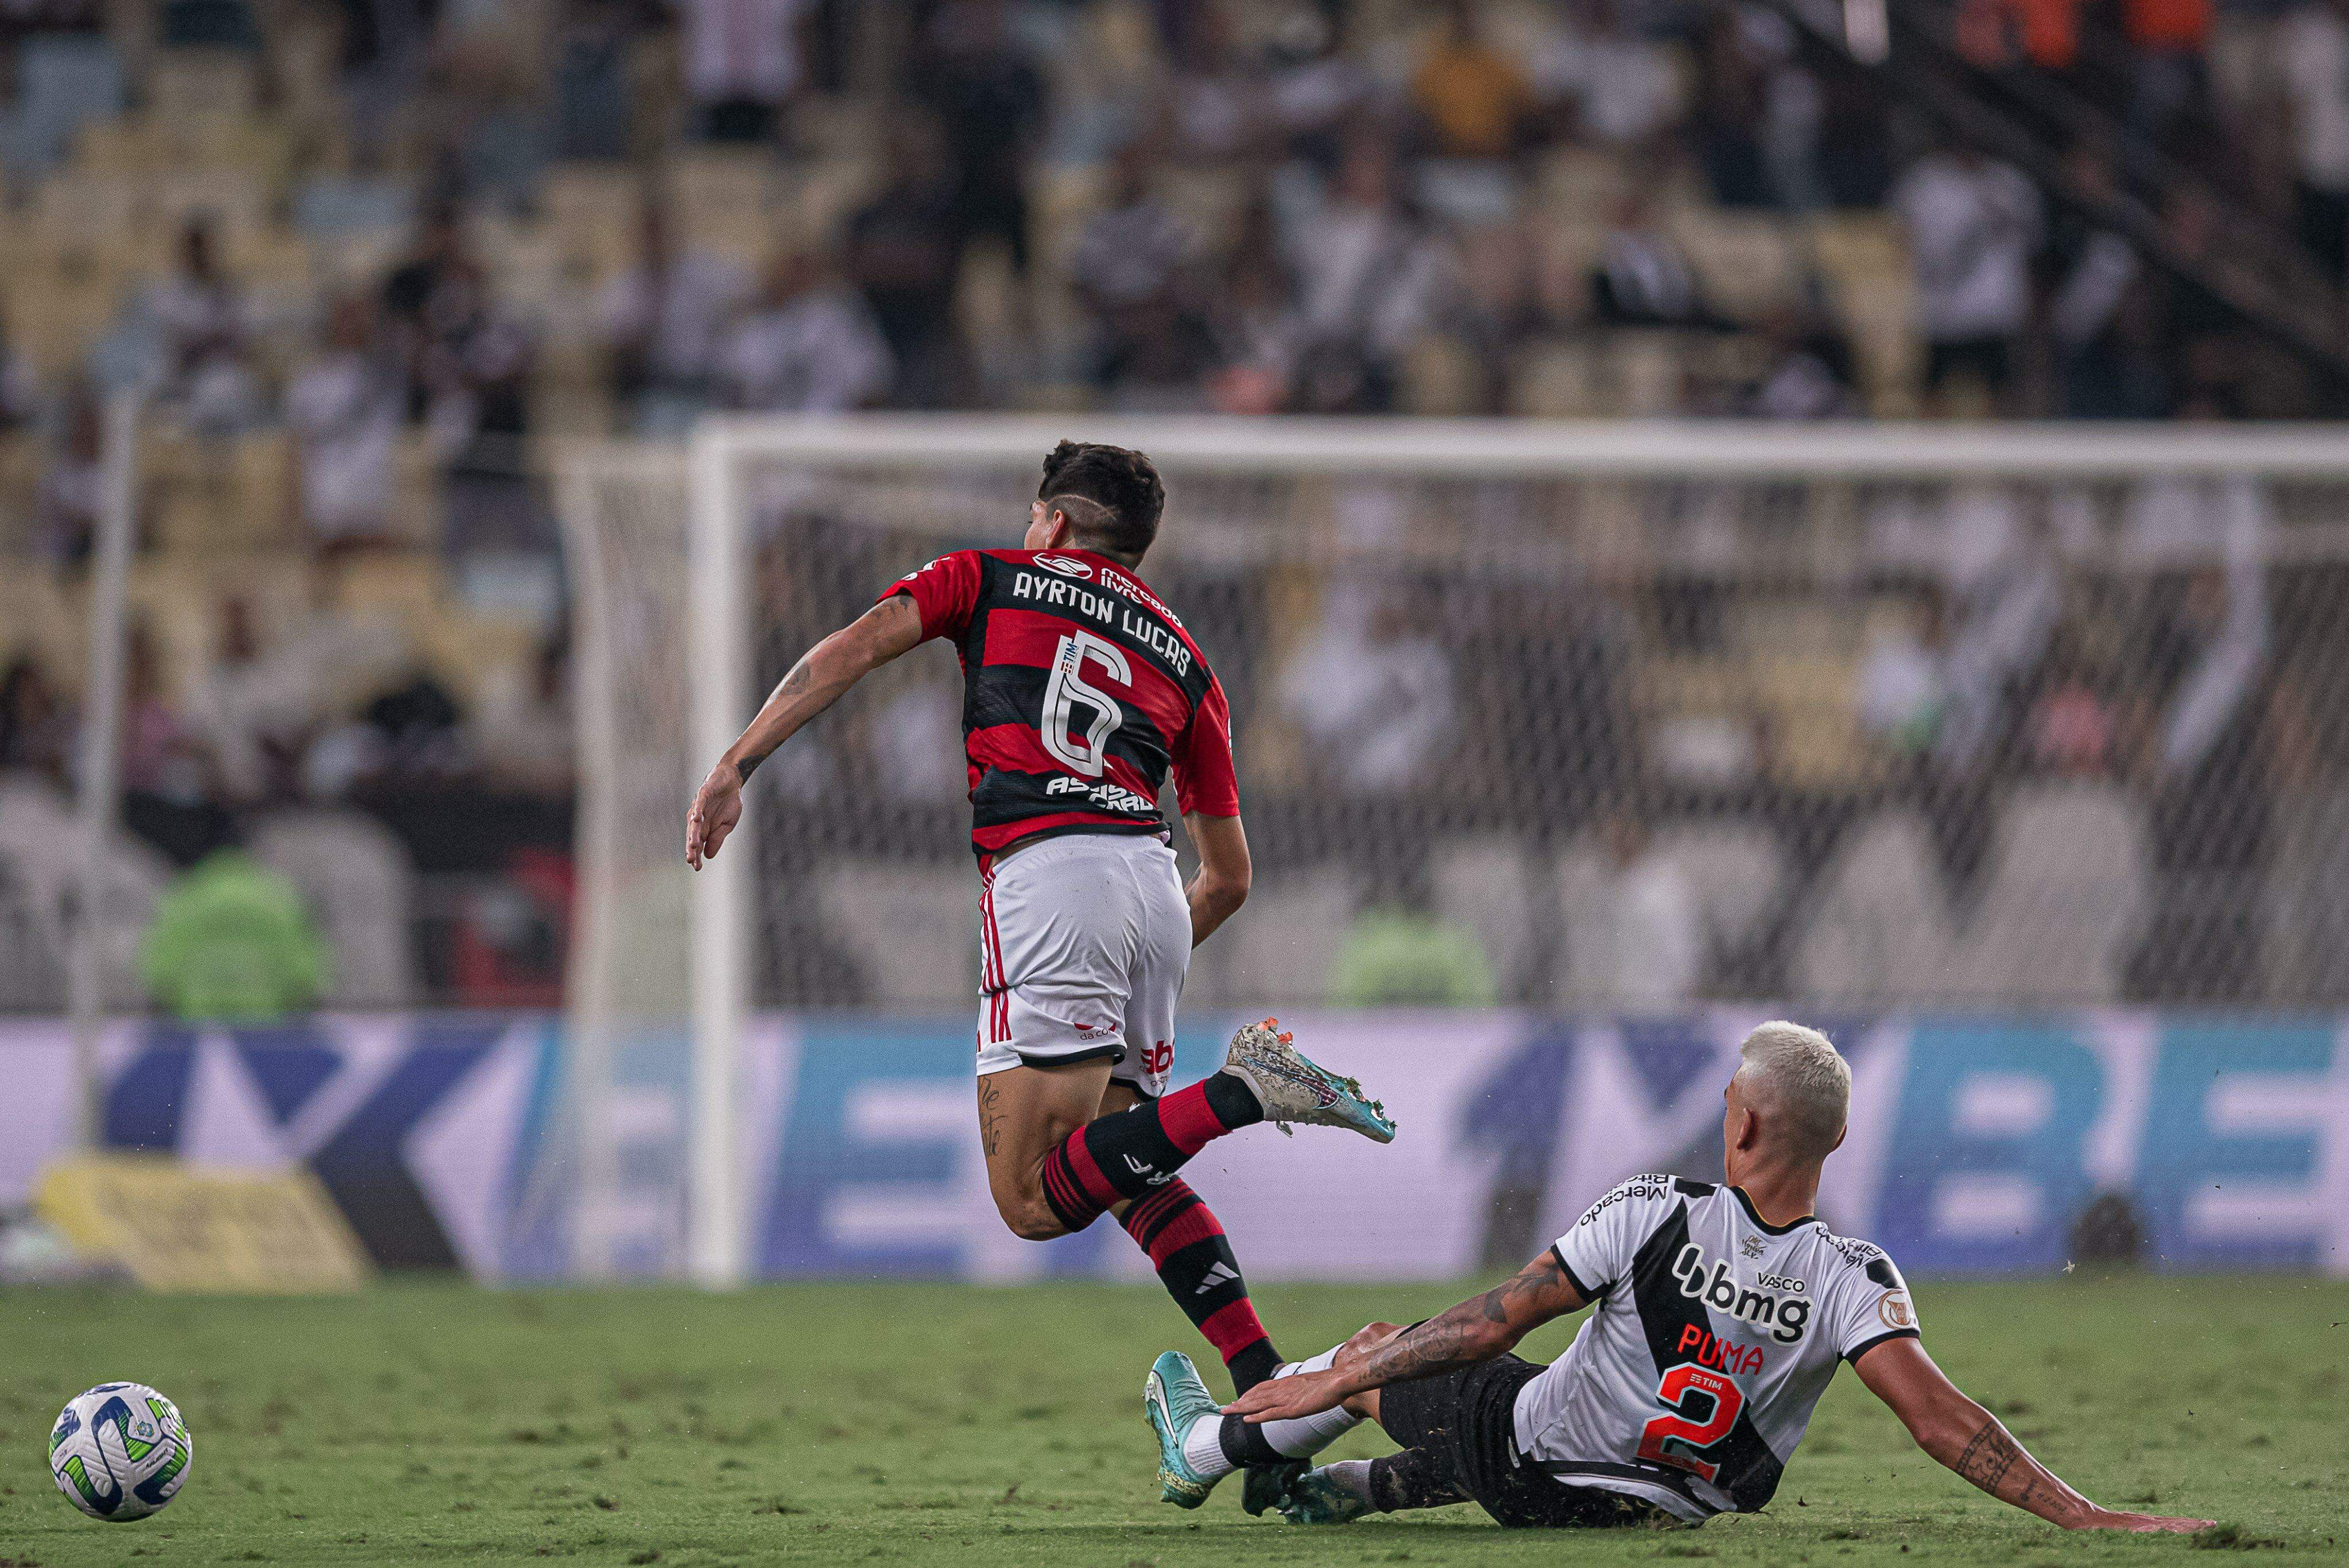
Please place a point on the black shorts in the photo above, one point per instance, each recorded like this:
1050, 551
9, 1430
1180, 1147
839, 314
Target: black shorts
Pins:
1468, 1419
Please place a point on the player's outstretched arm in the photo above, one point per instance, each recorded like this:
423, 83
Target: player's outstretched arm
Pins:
1476, 1330
1220, 886
1971, 1442
814, 684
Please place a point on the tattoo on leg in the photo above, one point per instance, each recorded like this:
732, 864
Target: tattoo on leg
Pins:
990, 1119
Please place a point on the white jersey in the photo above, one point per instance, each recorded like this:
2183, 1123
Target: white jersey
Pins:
1714, 1336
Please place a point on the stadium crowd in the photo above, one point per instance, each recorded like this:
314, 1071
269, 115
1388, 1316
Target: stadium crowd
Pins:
370, 259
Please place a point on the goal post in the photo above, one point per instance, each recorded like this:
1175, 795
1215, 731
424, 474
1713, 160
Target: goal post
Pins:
1749, 562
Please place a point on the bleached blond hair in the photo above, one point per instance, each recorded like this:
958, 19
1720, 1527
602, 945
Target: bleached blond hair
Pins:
1795, 1077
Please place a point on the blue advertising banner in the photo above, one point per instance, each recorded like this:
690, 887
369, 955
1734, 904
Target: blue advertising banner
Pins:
1976, 1144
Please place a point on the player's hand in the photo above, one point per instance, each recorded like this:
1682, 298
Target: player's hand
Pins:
1286, 1398
717, 808
2142, 1523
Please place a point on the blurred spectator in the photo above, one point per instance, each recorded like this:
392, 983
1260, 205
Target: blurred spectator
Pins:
1643, 278
2072, 728
231, 942
2105, 365
744, 61
20, 387
73, 482
1615, 88
990, 98
2200, 723
903, 251
593, 98
166, 778
1372, 692
208, 377
1736, 64
1373, 279
1971, 226
2171, 41
1255, 321
1131, 269
1471, 95
525, 739
36, 727
1656, 955
1316, 85
342, 406
1217, 107
1903, 679
429, 296
2312, 58
409, 737
1807, 374
664, 317
1401, 956
806, 345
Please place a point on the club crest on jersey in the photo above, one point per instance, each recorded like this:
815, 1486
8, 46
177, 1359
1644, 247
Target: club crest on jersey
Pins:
1784, 1319
1066, 565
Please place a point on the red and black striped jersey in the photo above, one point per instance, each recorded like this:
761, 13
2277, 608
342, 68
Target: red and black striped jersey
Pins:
1080, 690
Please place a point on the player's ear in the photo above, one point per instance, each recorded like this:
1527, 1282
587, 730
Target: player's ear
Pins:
1840, 1133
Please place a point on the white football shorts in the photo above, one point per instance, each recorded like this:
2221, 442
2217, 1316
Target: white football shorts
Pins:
1083, 941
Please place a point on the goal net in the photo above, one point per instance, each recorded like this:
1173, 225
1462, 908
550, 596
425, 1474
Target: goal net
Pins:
1594, 719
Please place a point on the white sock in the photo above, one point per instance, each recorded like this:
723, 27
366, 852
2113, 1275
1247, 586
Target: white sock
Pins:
1203, 1448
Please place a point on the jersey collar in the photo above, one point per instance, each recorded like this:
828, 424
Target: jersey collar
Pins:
1755, 1215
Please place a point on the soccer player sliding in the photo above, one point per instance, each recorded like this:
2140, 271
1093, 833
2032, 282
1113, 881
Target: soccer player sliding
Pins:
1722, 1313
1082, 691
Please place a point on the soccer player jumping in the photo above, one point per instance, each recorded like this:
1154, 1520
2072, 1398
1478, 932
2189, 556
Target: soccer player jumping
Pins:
1082, 691
1722, 1313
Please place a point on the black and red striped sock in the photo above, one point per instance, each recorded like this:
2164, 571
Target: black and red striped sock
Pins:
1195, 1262
1133, 1153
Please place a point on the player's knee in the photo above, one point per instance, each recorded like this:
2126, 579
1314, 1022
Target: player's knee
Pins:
1371, 1334
1031, 1217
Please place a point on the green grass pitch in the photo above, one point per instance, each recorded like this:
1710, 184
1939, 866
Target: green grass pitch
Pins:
424, 1423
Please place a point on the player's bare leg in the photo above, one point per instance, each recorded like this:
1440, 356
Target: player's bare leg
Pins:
1024, 1114
1030, 1117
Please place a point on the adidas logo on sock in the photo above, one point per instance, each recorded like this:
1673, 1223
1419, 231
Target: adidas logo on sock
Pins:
1217, 1273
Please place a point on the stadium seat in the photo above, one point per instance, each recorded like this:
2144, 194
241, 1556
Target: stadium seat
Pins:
911, 928
1733, 876
40, 842
32, 963
63, 83
2066, 896
2062, 896
1279, 948
1488, 886
1878, 924
1737, 875
186, 83
357, 881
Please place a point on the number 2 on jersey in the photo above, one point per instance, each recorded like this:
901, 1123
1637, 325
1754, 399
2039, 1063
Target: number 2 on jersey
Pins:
1679, 1383
1088, 756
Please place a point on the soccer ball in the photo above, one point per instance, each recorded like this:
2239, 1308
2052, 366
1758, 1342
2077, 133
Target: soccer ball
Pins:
119, 1452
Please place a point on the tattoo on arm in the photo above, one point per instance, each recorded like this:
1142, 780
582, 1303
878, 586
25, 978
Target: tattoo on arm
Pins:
1987, 1456
1465, 1335
1995, 1463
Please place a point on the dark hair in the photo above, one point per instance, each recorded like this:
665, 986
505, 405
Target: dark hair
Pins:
1126, 496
